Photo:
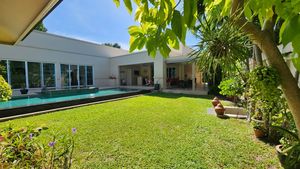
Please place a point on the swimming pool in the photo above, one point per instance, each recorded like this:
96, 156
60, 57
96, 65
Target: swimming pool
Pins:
43, 102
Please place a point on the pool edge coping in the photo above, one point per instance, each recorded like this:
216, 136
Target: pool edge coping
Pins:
3, 119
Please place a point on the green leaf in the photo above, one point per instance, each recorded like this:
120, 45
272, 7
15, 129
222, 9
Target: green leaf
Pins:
128, 5
134, 43
290, 29
172, 39
296, 62
226, 8
177, 24
135, 30
138, 2
138, 14
296, 44
187, 11
164, 49
117, 2
151, 47
142, 43
190, 11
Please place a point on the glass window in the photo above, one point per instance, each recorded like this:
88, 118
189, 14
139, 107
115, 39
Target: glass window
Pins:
64, 75
17, 74
171, 72
49, 74
34, 74
89, 70
74, 73
82, 76
3, 69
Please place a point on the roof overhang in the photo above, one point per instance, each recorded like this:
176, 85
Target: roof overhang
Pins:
18, 18
178, 59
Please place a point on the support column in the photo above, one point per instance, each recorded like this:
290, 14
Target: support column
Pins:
160, 71
193, 76
57, 75
26, 75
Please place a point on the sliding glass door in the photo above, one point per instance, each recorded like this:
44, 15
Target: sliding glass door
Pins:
74, 75
49, 74
90, 77
17, 74
34, 74
82, 76
65, 77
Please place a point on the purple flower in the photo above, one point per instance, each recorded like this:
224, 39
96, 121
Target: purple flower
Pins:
74, 130
51, 144
30, 135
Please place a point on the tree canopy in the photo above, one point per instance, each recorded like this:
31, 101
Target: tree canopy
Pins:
41, 27
114, 45
164, 23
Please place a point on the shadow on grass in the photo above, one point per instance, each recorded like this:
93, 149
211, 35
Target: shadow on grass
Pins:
177, 96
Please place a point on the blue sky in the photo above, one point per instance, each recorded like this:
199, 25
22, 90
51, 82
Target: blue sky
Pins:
98, 21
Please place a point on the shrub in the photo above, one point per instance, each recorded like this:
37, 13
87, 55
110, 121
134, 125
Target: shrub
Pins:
5, 90
22, 148
232, 87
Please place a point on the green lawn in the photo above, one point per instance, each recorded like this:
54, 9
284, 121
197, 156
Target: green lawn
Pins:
157, 131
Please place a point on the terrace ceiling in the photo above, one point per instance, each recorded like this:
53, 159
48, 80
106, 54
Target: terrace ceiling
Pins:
19, 17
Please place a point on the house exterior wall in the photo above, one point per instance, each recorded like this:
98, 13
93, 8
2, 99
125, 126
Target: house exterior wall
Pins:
286, 50
139, 58
44, 48
48, 48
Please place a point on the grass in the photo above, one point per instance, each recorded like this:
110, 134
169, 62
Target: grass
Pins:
157, 131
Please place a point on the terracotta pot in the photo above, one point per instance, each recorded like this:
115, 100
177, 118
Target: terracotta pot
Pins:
258, 133
219, 109
215, 101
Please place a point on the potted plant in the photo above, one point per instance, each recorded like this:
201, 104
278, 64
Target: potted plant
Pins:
215, 101
288, 151
259, 130
220, 110
23, 89
156, 86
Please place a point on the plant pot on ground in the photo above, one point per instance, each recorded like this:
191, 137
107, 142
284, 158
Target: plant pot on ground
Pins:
219, 109
289, 150
24, 91
215, 101
288, 160
259, 133
259, 130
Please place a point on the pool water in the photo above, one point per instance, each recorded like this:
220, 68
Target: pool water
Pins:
36, 100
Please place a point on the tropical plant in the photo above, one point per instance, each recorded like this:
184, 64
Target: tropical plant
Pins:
220, 45
290, 147
5, 90
163, 25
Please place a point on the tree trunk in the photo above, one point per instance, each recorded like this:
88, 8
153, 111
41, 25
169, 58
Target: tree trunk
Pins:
264, 40
257, 55
288, 82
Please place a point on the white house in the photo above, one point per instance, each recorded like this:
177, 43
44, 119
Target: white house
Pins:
44, 59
